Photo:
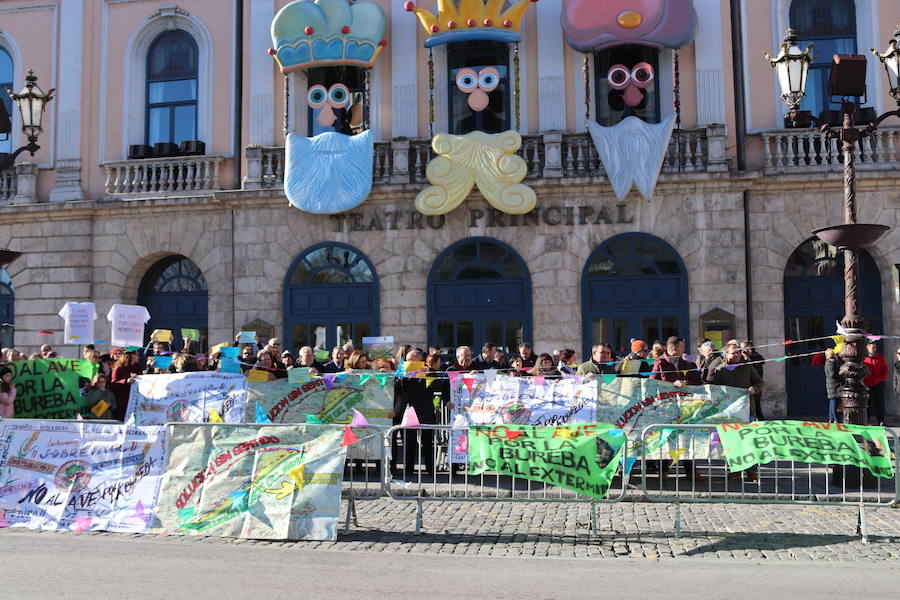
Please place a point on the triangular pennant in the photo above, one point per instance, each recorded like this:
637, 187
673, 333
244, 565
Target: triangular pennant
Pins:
512, 434
731, 367
837, 339
349, 437
454, 377
314, 420
872, 338
714, 441
78, 417
99, 342
608, 378
261, 416
578, 378
469, 382
688, 358
676, 455
786, 342
297, 476
410, 418
214, 416
363, 379
780, 358
382, 378
650, 361
329, 380
359, 420
132, 348
489, 376
538, 379
429, 381
45, 332
83, 523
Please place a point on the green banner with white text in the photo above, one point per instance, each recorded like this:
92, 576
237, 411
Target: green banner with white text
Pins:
804, 441
49, 388
582, 458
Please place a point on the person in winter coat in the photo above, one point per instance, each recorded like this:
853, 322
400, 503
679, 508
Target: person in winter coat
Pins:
7, 393
878, 372
833, 383
97, 393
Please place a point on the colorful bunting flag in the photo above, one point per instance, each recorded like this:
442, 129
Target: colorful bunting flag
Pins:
261, 416
410, 418
349, 437
214, 416
314, 420
359, 420
608, 378
538, 380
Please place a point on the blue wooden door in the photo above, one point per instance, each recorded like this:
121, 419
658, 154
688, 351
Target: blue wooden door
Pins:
633, 286
813, 302
175, 294
330, 298
479, 290
7, 313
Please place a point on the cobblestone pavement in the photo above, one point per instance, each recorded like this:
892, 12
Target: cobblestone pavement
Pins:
627, 530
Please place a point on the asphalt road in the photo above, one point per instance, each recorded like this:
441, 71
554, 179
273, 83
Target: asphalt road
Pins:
65, 565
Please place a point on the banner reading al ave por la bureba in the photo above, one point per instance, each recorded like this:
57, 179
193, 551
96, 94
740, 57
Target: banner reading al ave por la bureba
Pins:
49, 388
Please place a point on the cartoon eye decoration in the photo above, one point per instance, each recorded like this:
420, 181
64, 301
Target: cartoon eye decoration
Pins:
618, 77
338, 95
466, 80
642, 73
488, 79
316, 96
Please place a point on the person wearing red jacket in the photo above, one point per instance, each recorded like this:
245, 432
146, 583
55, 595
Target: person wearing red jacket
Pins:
878, 372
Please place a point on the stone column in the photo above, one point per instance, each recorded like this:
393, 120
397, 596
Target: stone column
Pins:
26, 183
400, 151
553, 154
253, 178
716, 159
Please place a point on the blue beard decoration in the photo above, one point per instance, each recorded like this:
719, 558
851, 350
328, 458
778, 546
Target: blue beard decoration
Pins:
329, 173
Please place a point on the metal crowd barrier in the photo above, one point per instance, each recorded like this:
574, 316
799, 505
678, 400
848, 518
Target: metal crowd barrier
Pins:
362, 471
707, 479
421, 470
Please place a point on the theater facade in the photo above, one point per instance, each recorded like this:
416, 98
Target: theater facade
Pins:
370, 216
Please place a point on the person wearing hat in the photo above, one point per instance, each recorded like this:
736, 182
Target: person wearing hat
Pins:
635, 363
7, 393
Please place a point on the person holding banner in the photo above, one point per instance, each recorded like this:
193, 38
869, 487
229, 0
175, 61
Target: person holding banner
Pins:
735, 374
7, 393
833, 382
124, 373
101, 401
418, 446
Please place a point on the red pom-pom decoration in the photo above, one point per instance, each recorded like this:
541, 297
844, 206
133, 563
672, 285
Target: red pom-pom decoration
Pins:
451, 25
507, 23
470, 22
308, 30
488, 22
345, 30
271, 51
435, 29
382, 43
409, 6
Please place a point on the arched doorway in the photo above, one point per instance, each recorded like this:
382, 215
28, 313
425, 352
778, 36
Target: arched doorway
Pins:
634, 285
7, 310
479, 290
175, 294
813, 303
330, 297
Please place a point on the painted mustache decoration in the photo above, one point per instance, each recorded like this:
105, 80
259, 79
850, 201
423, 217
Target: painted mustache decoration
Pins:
328, 173
632, 152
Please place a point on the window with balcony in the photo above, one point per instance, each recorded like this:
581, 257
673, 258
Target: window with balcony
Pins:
6, 82
171, 88
625, 84
831, 26
478, 87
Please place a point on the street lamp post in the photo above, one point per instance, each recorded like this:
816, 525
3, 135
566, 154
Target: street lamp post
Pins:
847, 81
31, 102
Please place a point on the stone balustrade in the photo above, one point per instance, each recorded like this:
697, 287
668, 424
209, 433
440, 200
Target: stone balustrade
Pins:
18, 184
552, 155
180, 175
809, 151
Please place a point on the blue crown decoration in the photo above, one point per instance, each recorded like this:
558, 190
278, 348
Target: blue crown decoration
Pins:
316, 33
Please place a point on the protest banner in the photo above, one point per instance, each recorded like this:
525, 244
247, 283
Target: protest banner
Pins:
187, 398
378, 347
331, 399
127, 324
79, 476
804, 441
519, 401
581, 458
79, 322
49, 388
253, 482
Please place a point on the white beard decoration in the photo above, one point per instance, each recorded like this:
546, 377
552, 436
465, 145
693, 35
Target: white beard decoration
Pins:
632, 152
328, 173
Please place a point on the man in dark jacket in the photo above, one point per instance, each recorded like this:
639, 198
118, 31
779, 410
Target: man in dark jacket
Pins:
833, 382
735, 374
600, 355
336, 364
708, 360
418, 444
488, 358
673, 368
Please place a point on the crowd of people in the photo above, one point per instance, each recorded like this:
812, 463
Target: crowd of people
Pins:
736, 364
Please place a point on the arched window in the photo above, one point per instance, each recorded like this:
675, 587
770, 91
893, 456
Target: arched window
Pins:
479, 290
813, 303
634, 285
175, 294
7, 314
6, 82
330, 298
831, 26
172, 88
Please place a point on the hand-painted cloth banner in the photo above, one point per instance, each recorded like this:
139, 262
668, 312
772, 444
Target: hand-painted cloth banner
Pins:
79, 476
249, 481
187, 398
49, 388
804, 441
581, 458
633, 403
331, 399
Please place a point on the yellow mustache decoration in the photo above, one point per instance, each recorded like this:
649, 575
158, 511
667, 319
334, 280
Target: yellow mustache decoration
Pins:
488, 160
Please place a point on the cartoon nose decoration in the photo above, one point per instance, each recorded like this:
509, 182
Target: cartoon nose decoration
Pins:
329, 100
478, 86
631, 83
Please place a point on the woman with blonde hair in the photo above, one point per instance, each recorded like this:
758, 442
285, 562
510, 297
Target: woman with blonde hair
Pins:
358, 361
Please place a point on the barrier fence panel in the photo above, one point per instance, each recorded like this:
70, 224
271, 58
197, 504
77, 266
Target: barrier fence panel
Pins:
429, 463
363, 469
695, 472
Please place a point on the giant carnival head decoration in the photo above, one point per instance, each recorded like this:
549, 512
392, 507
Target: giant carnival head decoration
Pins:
625, 32
488, 160
329, 40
